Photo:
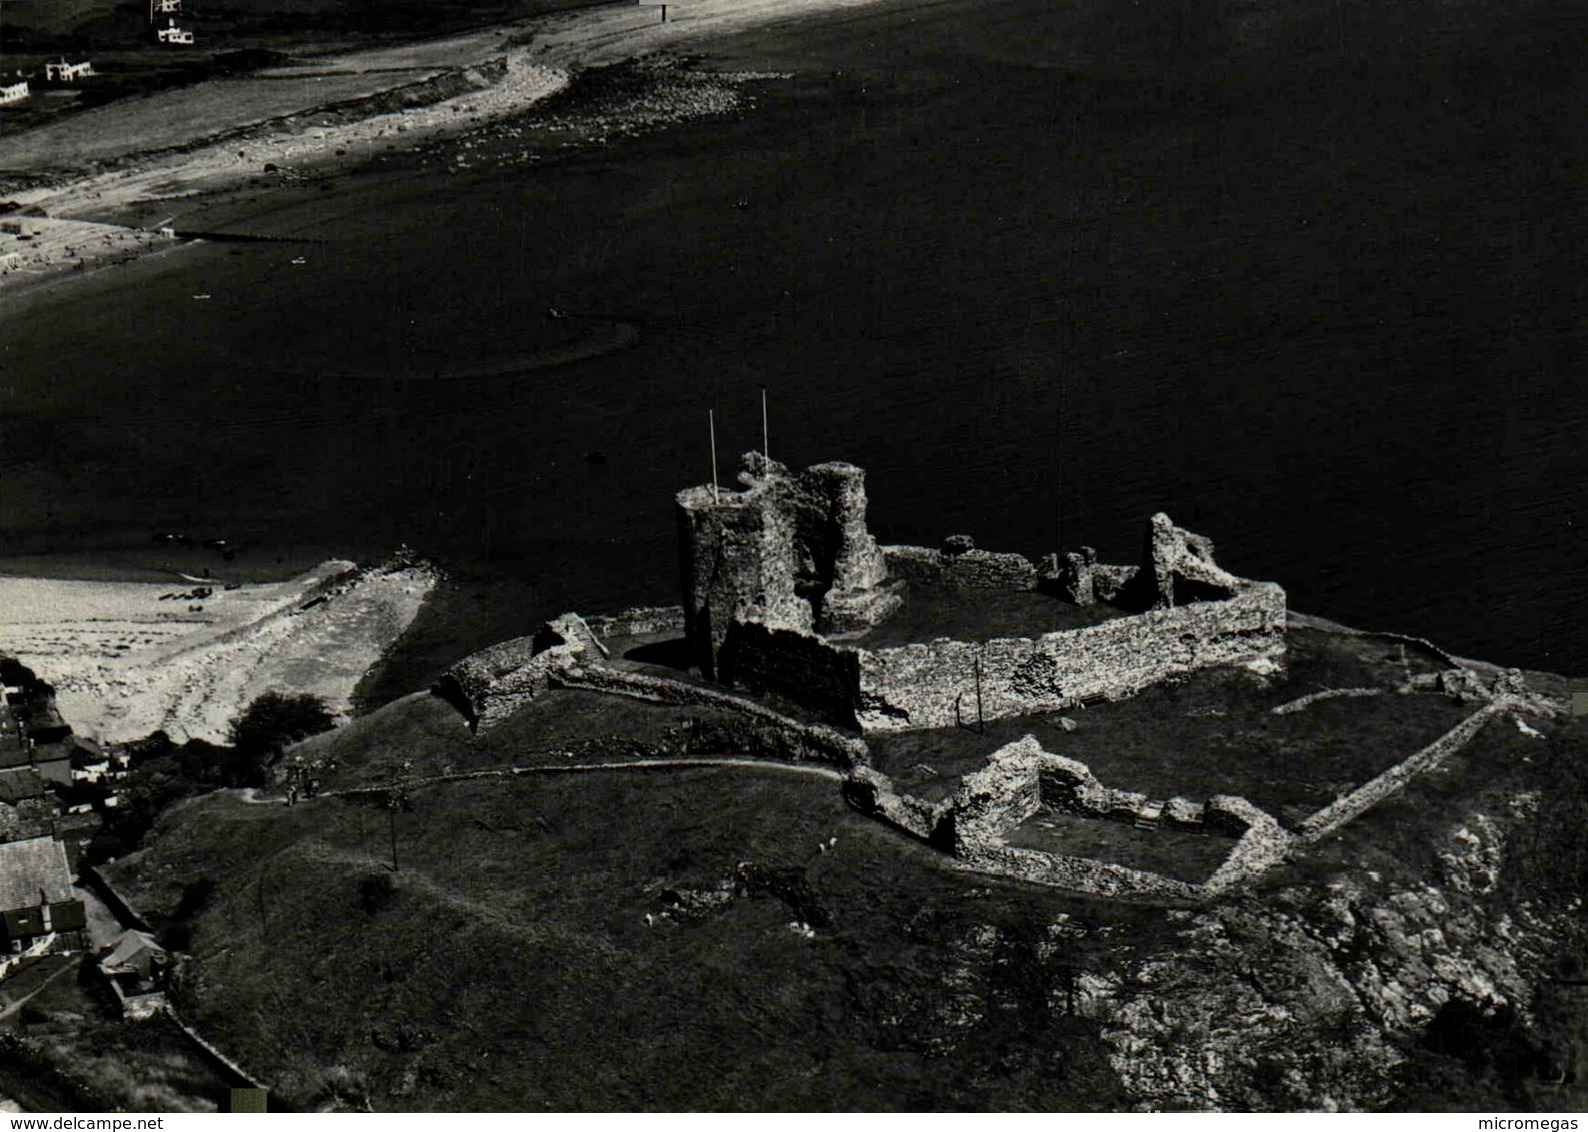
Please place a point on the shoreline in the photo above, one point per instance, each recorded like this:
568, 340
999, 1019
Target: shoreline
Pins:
536, 59
214, 164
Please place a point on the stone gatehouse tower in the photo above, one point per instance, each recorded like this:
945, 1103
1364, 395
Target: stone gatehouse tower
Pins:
790, 550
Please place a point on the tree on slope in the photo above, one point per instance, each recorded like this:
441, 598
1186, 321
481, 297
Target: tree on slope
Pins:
270, 723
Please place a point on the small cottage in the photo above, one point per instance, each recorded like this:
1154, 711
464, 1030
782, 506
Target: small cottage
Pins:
36, 897
137, 969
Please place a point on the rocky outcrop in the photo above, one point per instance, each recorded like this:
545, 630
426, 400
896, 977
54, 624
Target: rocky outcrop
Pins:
1315, 998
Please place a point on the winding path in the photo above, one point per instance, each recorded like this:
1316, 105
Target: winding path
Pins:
250, 796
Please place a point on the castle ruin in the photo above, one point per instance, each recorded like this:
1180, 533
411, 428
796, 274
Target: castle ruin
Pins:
813, 640
786, 591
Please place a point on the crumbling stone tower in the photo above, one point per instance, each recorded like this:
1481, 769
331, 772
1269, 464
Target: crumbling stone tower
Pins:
790, 550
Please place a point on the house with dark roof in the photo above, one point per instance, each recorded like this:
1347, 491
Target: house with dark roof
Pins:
32, 732
137, 969
21, 784
36, 897
40, 719
27, 804
54, 760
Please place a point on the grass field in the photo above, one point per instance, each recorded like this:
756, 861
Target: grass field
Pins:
980, 615
710, 938
561, 726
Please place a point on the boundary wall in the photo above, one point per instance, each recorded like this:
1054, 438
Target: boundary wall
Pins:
1371, 793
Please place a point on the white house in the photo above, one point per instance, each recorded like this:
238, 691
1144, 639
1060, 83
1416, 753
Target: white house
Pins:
14, 92
64, 72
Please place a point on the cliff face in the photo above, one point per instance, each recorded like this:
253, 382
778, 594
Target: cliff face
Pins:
1362, 993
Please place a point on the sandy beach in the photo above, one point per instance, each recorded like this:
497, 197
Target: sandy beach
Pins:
130, 658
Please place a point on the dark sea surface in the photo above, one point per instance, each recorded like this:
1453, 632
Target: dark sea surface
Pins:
1309, 277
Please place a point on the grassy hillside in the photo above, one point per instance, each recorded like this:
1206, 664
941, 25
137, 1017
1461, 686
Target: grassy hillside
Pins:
733, 938
509, 962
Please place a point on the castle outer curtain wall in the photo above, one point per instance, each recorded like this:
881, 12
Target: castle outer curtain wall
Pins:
806, 669
935, 684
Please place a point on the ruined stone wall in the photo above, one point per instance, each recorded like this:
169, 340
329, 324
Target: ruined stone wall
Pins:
1069, 785
1370, 794
990, 802
641, 620
801, 667
492, 684
1178, 565
917, 686
1020, 778
872, 793
1263, 842
961, 566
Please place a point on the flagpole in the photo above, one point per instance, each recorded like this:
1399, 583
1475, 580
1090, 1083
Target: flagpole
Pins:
766, 447
711, 422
